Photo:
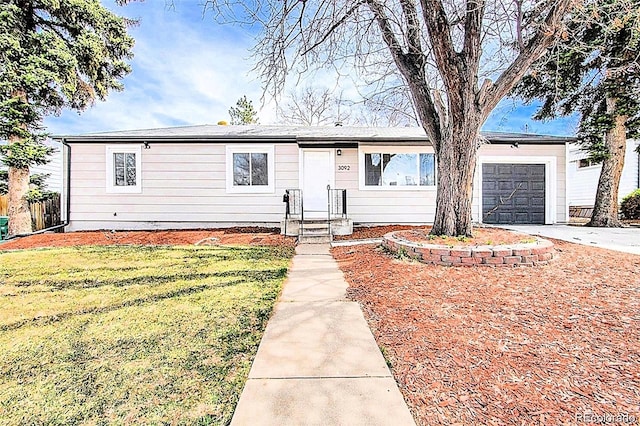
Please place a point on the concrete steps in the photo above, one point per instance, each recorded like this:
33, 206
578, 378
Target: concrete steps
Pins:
314, 232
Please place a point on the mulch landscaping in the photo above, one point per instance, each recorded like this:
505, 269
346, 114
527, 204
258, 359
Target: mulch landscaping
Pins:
369, 232
481, 236
507, 346
231, 236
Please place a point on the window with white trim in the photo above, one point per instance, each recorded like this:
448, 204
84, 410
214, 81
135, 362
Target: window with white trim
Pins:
250, 169
587, 162
124, 169
399, 169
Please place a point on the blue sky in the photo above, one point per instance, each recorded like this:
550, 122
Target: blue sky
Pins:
189, 70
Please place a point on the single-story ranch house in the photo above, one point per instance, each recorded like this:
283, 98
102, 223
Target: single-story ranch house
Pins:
213, 176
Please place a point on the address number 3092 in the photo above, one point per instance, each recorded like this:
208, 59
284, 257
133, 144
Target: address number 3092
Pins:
344, 167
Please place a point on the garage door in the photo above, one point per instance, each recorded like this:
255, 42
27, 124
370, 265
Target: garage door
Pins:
513, 193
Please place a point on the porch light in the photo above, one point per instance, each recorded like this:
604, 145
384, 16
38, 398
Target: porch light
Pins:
338, 152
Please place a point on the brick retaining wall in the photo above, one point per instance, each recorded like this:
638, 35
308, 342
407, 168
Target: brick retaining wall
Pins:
535, 253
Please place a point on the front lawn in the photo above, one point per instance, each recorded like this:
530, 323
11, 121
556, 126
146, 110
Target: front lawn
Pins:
132, 334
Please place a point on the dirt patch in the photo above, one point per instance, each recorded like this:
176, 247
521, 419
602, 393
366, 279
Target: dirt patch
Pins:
232, 236
506, 346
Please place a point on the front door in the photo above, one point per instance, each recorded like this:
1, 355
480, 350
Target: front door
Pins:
317, 173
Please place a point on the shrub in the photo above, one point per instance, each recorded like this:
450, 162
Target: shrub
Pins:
630, 206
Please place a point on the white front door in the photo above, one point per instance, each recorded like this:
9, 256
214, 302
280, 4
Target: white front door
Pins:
317, 173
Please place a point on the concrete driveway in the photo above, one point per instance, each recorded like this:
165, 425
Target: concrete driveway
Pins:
620, 239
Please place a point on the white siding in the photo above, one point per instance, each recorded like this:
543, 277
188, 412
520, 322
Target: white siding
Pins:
583, 182
183, 185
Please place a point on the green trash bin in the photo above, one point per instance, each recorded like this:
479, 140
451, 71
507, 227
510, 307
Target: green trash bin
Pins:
4, 227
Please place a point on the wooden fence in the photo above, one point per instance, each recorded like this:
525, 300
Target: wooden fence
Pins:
44, 214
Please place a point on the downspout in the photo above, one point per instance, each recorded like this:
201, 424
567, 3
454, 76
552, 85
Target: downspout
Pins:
68, 201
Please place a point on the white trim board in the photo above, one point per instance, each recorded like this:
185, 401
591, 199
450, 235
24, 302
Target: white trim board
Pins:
332, 166
250, 189
550, 181
111, 187
391, 149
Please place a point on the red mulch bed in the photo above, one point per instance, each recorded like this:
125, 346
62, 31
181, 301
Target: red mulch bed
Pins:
367, 232
232, 236
481, 236
420, 234
506, 346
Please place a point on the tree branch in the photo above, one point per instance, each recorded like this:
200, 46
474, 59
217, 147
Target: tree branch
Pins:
472, 36
534, 49
335, 26
435, 19
414, 45
412, 69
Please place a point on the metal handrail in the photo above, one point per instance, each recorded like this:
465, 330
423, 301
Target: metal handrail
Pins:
293, 205
336, 204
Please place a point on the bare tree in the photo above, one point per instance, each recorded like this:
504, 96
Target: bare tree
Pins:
389, 106
313, 106
457, 60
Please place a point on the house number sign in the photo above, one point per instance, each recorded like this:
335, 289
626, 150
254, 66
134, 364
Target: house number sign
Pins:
344, 167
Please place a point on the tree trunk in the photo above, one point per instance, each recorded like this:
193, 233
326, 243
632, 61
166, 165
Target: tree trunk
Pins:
19, 213
456, 159
605, 209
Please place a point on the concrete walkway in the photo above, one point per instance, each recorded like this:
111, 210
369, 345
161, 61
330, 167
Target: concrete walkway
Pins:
318, 363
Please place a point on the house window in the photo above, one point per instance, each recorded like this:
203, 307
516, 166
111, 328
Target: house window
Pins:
402, 169
124, 169
586, 162
250, 169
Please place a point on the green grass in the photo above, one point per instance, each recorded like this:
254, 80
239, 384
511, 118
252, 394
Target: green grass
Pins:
131, 335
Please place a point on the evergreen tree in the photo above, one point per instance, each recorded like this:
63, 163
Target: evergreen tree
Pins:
243, 113
53, 55
37, 186
595, 72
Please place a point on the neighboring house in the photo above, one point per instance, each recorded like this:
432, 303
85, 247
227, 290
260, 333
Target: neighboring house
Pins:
54, 167
583, 175
209, 176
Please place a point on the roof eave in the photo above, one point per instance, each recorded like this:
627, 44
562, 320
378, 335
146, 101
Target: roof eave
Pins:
168, 139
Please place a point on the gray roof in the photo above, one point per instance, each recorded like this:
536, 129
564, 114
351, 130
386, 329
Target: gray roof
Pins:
300, 134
